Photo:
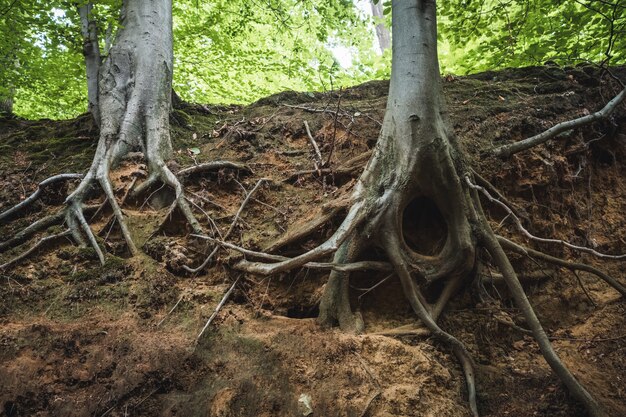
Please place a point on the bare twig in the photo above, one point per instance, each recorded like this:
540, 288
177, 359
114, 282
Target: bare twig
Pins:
218, 308
332, 143
319, 163
170, 312
230, 229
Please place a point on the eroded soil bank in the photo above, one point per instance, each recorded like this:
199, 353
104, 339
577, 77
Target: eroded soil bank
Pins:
79, 339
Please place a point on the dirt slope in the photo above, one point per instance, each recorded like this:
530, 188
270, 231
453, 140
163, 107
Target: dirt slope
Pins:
79, 339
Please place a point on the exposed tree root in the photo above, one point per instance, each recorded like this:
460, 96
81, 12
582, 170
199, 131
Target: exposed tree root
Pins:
490, 241
507, 150
349, 168
341, 267
574, 266
33, 248
34, 196
328, 212
31, 230
230, 229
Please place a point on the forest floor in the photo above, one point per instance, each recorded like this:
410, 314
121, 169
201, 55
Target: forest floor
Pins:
80, 339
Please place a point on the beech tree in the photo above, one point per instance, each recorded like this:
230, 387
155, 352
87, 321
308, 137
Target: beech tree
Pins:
417, 170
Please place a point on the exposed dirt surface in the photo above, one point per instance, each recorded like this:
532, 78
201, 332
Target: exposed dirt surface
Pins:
80, 339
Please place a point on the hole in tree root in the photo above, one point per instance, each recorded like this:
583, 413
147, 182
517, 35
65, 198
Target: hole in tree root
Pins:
423, 227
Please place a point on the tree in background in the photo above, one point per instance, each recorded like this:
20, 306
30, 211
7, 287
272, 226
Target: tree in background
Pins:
91, 52
382, 33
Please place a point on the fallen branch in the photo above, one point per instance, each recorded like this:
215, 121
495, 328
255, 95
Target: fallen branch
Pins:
218, 308
537, 238
319, 163
212, 166
40, 187
508, 150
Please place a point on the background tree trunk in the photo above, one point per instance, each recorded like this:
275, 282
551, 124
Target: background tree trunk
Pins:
6, 106
382, 33
91, 52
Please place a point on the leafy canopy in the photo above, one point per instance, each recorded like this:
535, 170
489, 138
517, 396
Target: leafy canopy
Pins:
238, 51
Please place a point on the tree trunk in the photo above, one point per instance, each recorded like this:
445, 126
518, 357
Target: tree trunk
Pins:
6, 106
134, 99
91, 52
416, 202
412, 184
382, 33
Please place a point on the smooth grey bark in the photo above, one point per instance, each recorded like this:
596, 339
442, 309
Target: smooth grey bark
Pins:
91, 52
416, 157
134, 99
382, 33
417, 170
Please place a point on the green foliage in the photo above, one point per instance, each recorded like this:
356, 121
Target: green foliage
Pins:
491, 34
225, 51
238, 51
39, 62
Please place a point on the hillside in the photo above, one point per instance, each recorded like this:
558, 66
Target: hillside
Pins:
80, 339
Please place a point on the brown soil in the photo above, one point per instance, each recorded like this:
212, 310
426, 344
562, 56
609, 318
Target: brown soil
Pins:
78, 339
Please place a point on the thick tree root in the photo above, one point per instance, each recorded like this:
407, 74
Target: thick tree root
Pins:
34, 196
328, 212
412, 293
31, 230
354, 218
491, 244
335, 303
334, 266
